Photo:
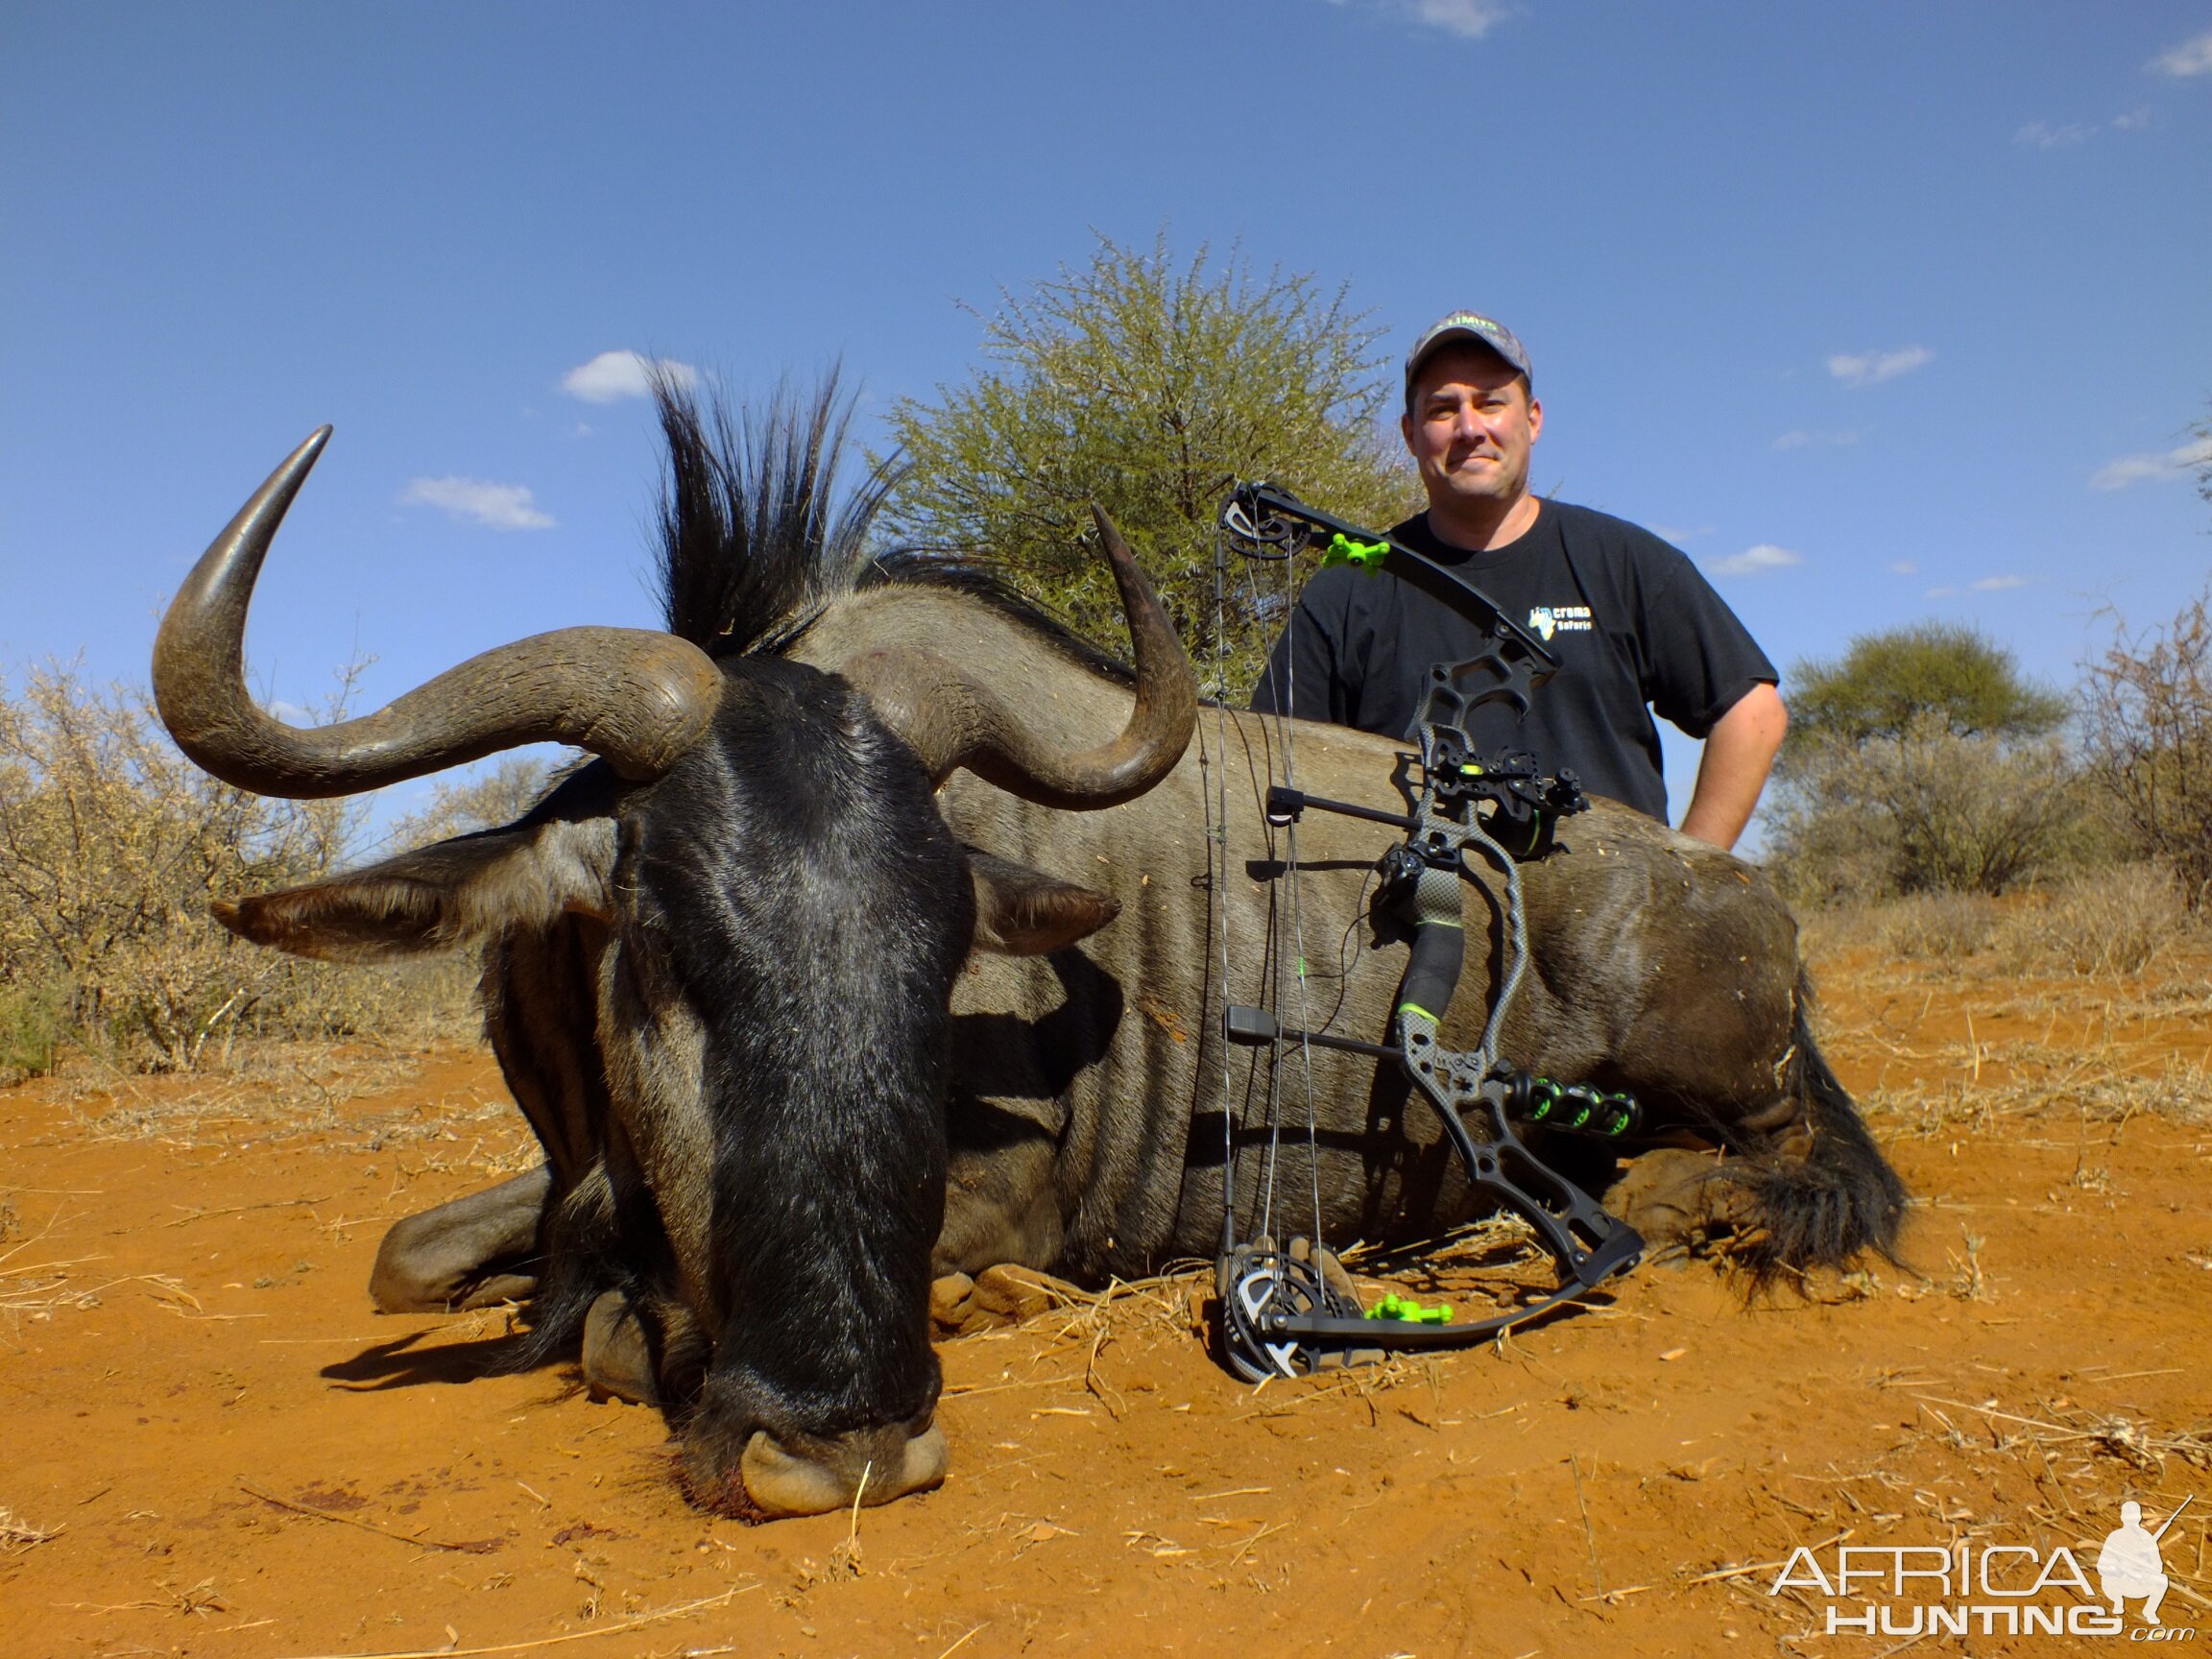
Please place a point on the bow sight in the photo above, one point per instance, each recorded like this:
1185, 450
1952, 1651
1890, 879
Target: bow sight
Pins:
1285, 1310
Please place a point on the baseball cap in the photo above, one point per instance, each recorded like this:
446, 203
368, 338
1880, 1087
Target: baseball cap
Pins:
1472, 326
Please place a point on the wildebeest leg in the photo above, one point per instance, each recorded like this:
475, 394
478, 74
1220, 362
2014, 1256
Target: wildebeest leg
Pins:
540, 1010
1671, 1196
469, 1253
999, 1200
539, 989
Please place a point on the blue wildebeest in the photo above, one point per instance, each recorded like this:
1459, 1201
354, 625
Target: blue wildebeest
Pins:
1092, 1116
719, 957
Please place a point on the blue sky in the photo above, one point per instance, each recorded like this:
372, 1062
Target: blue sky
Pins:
1883, 312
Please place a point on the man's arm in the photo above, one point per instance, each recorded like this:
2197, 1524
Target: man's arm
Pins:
1738, 753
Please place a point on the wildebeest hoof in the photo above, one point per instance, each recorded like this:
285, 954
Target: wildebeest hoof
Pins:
1014, 1291
814, 1479
1673, 1198
618, 1363
467, 1253
952, 1303
1002, 1296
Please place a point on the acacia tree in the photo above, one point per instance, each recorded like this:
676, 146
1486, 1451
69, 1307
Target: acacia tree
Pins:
1148, 386
1920, 760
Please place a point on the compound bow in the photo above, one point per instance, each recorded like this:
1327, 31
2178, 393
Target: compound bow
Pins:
1281, 1310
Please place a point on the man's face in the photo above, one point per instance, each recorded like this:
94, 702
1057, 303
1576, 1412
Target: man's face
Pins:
1471, 426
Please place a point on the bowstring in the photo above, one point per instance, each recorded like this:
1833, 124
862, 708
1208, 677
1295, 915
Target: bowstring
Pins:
1286, 743
1215, 804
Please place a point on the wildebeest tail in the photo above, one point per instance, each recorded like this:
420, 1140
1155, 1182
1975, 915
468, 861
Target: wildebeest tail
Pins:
1825, 1203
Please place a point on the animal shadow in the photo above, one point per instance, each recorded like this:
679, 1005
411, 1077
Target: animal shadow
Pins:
400, 1363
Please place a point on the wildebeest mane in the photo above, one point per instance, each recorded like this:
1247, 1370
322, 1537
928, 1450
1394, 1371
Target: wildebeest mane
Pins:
754, 536
755, 539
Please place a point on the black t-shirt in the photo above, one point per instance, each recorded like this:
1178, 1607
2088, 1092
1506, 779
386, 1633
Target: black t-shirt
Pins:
1635, 626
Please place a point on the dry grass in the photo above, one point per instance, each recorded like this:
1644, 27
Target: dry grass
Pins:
1940, 926
303, 1091
2113, 922
17, 1535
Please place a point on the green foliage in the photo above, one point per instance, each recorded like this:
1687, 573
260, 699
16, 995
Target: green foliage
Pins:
1934, 675
1147, 387
32, 1021
2147, 715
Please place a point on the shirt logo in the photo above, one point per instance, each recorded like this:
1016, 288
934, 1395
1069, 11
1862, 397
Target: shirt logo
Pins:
1547, 620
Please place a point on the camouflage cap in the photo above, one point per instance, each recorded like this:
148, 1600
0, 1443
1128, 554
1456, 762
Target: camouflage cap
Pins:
1475, 329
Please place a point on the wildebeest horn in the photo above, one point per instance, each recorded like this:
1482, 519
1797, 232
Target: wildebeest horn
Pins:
953, 720
636, 697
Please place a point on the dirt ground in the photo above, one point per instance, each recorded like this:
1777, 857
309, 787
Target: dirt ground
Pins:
208, 1444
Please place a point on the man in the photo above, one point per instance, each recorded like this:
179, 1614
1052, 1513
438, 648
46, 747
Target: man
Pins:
1636, 627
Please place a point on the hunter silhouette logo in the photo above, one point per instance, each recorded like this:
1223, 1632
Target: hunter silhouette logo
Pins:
2129, 1565
1991, 1589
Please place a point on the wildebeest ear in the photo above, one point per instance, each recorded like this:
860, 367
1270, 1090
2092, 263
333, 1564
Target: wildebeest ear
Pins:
438, 896
1024, 912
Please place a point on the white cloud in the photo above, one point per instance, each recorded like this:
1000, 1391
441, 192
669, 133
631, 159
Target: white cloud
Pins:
1872, 368
1755, 561
1806, 440
2192, 57
613, 375
1904, 568
2171, 464
1469, 20
2134, 119
1997, 584
2043, 136
1669, 533
499, 506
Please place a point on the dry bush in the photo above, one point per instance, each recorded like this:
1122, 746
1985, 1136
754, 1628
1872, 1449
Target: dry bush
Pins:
111, 846
1938, 927
2110, 922
2147, 711
1928, 810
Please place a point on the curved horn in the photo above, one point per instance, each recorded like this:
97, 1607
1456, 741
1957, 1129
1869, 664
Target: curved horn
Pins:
950, 719
636, 697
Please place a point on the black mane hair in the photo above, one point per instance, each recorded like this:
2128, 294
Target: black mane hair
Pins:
755, 539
